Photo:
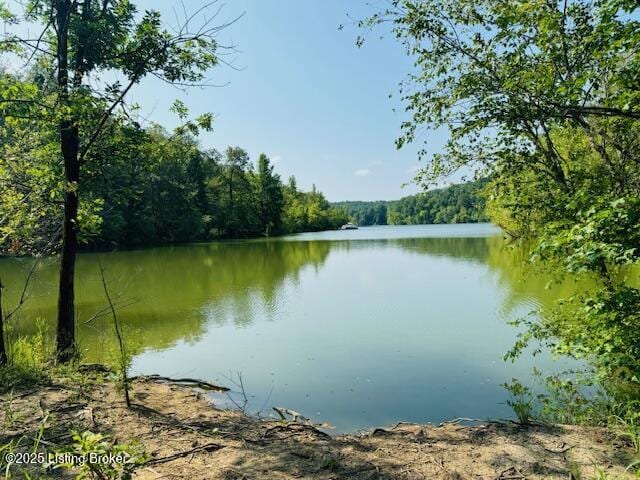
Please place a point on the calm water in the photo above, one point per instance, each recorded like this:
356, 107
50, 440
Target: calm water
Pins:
355, 328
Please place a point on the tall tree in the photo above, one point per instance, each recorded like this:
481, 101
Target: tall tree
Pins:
269, 196
80, 41
238, 190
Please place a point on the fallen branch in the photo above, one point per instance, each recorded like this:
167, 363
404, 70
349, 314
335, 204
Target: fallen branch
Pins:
561, 450
93, 368
295, 428
297, 417
399, 424
25, 394
456, 421
68, 408
511, 473
283, 412
209, 447
187, 382
381, 431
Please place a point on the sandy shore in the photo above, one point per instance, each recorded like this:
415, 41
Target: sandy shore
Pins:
186, 437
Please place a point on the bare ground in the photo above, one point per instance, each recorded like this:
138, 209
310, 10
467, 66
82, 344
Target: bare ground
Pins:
187, 437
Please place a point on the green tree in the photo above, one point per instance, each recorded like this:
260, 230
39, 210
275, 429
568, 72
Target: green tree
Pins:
502, 75
235, 200
174, 193
294, 215
309, 211
3, 349
464, 203
270, 196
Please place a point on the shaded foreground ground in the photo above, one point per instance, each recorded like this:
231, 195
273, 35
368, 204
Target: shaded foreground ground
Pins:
186, 437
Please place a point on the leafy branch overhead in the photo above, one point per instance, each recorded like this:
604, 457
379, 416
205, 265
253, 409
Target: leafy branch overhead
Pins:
501, 75
105, 39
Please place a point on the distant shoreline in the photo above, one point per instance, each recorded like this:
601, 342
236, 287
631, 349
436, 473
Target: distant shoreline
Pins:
127, 248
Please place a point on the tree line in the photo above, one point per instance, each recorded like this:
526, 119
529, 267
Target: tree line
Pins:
154, 187
463, 203
177, 192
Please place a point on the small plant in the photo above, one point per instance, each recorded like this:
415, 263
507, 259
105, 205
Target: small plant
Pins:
600, 474
27, 359
94, 456
6, 451
572, 398
122, 382
521, 402
330, 463
635, 467
32, 351
83, 383
575, 472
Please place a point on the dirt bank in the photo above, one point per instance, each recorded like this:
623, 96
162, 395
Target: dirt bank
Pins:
187, 437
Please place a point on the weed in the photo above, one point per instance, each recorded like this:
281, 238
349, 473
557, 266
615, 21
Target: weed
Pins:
522, 401
100, 458
575, 472
330, 463
11, 416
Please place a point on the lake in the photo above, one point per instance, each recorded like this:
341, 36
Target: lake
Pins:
355, 328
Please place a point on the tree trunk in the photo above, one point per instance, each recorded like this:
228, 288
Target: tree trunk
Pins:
231, 227
3, 351
69, 142
66, 302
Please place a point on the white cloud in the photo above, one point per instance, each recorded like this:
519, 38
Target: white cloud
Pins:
412, 170
275, 159
363, 172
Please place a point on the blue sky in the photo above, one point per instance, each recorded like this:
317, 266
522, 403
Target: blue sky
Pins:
304, 94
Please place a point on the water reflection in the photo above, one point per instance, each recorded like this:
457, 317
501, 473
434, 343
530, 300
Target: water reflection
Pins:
391, 324
163, 293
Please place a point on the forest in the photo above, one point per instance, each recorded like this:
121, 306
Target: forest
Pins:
463, 203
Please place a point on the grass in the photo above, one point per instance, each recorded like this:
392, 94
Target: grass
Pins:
29, 362
627, 426
19, 377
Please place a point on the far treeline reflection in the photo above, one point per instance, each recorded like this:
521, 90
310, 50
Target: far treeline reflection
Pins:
161, 292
